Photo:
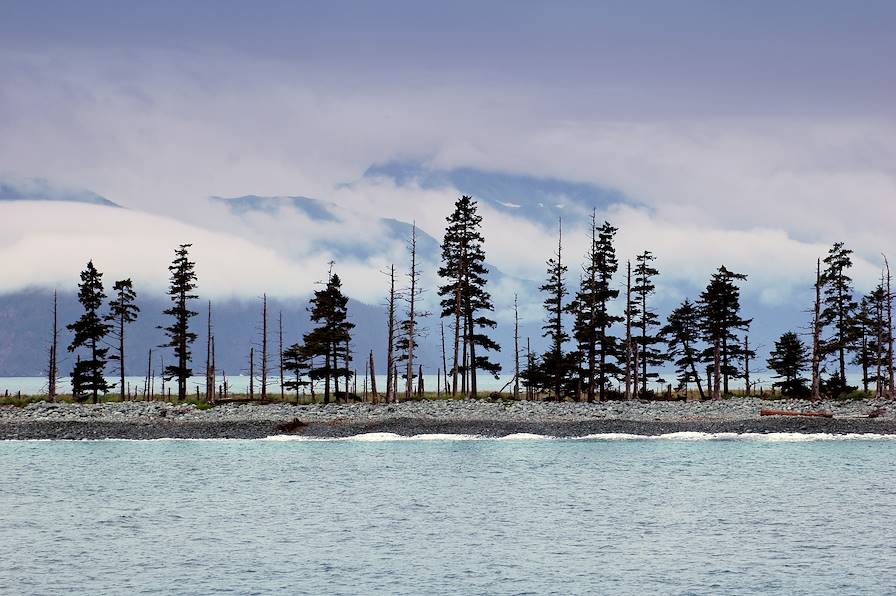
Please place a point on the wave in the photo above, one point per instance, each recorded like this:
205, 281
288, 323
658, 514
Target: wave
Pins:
678, 436
393, 437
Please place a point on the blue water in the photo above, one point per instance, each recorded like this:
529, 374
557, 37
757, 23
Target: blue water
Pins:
433, 517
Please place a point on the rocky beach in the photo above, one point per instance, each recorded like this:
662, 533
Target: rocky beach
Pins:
157, 420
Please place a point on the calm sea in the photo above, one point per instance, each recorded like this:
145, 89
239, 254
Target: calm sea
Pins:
533, 516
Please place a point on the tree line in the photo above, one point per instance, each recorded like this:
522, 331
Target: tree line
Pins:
603, 341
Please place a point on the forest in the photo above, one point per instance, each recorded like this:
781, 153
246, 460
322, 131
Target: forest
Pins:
603, 342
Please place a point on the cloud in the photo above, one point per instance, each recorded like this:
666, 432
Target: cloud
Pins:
159, 132
126, 243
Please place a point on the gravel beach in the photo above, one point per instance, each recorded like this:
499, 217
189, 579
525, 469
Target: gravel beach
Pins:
156, 420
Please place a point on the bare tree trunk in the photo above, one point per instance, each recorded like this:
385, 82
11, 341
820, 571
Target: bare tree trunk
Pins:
264, 348
212, 374
280, 334
251, 373
390, 354
644, 342
889, 304
816, 335
634, 370
149, 375
457, 335
747, 364
121, 355
54, 347
864, 362
209, 378
516, 348
463, 362
350, 377
420, 382
372, 379
412, 304
530, 393
558, 323
592, 363
628, 330
395, 382
473, 371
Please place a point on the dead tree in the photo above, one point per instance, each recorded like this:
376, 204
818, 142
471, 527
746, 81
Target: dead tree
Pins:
251, 373
264, 347
530, 364
516, 348
147, 393
889, 306
628, 332
53, 371
390, 339
214, 364
411, 329
816, 335
209, 367
280, 334
373, 395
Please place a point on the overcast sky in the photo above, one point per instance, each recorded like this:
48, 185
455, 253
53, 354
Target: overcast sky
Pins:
751, 133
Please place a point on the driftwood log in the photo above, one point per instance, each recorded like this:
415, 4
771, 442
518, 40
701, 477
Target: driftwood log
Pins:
766, 412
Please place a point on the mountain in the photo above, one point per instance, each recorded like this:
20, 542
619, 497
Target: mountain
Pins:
38, 189
541, 199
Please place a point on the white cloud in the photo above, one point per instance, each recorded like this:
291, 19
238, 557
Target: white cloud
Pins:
764, 196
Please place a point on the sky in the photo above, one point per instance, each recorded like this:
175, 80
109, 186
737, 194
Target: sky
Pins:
752, 134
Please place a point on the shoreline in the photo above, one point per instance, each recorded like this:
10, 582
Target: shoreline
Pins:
155, 420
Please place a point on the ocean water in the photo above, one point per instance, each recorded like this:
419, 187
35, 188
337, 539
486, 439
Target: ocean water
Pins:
687, 514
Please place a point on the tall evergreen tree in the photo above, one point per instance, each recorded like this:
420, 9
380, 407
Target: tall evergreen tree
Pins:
645, 320
556, 366
720, 320
89, 332
464, 297
789, 359
868, 322
123, 310
598, 347
328, 342
682, 334
180, 338
839, 307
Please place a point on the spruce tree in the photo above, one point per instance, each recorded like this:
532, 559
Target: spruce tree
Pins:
296, 361
789, 359
870, 328
720, 320
464, 297
327, 343
839, 308
123, 310
89, 332
598, 347
556, 366
682, 334
645, 320
180, 338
